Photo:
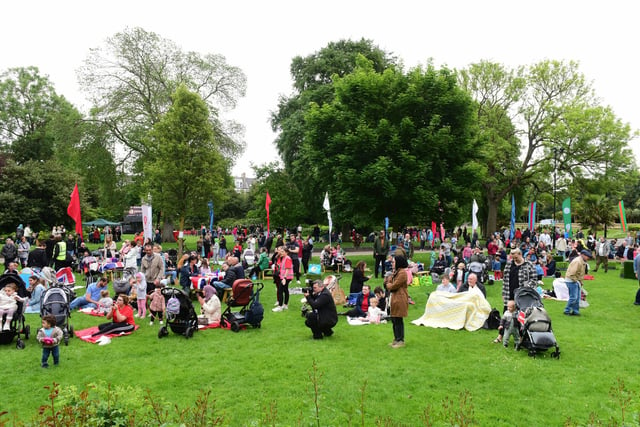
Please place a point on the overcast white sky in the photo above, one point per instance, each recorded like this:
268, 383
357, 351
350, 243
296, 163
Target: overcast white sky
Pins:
261, 37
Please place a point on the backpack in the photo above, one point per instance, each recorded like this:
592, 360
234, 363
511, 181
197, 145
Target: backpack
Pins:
255, 314
493, 321
537, 319
173, 306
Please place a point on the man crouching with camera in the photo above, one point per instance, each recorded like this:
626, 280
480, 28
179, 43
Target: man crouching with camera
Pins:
322, 315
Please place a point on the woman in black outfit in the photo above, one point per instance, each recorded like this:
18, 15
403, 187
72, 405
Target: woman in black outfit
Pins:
358, 278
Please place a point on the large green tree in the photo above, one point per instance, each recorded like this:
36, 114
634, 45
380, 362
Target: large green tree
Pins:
37, 193
392, 144
130, 81
187, 170
532, 119
35, 122
313, 77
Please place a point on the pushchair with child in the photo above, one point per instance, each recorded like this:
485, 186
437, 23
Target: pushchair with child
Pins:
536, 334
246, 295
182, 318
56, 302
17, 323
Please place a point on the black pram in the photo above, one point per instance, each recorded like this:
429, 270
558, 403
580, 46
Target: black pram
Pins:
17, 324
536, 334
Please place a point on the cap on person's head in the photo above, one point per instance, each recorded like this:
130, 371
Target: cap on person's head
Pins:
586, 253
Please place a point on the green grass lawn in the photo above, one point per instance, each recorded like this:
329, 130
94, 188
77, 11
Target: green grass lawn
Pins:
263, 376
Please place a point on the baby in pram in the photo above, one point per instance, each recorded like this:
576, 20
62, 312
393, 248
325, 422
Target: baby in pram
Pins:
8, 304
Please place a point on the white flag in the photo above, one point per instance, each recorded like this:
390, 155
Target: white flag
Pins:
474, 211
147, 227
327, 208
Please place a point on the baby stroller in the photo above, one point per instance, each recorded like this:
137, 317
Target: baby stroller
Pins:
122, 286
17, 325
536, 334
248, 258
55, 302
246, 295
181, 316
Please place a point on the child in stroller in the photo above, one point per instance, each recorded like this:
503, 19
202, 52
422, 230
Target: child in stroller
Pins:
9, 299
14, 298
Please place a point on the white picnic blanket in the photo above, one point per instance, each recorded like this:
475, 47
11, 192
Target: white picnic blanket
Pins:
468, 310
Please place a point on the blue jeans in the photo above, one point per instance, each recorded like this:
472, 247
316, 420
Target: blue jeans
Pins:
81, 302
220, 287
55, 351
573, 305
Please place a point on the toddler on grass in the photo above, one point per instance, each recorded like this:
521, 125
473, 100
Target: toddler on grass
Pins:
508, 325
49, 336
141, 292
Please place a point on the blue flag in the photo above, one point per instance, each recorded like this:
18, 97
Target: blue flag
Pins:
210, 215
513, 217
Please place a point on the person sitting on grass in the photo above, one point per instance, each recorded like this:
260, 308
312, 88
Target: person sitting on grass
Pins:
472, 283
446, 285
363, 301
374, 314
91, 297
121, 316
210, 304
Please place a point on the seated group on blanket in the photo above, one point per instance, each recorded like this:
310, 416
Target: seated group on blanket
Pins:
368, 305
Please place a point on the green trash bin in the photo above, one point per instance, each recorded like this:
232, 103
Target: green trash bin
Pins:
627, 270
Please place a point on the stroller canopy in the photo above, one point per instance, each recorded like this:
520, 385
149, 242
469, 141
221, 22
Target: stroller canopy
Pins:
5, 279
526, 297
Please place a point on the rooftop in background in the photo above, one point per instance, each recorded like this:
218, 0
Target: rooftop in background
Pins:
243, 184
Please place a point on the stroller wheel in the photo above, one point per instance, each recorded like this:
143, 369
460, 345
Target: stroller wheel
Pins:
66, 340
71, 331
188, 333
20, 344
162, 332
27, 332
532, 353
235, 327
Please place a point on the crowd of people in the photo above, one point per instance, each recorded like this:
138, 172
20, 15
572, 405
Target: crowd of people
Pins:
520, 261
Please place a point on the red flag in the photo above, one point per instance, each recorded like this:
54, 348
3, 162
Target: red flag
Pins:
433, 229
73, 210
266, 206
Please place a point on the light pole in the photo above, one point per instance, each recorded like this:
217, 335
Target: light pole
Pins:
555, 171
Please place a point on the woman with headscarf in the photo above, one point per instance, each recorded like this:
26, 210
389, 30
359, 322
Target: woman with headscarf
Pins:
210, 304
399, 305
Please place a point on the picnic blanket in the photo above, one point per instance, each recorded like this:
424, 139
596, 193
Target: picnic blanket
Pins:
92, 312
86, 334
468, 310
209, 326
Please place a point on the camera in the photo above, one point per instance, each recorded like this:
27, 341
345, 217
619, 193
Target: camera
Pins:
307, 290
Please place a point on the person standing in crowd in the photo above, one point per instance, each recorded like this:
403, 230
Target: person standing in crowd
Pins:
573, 279
293, 250
23, 251
399, 305
380, 252
283, 275
152, 266
9, 252
517, 272
602, 254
